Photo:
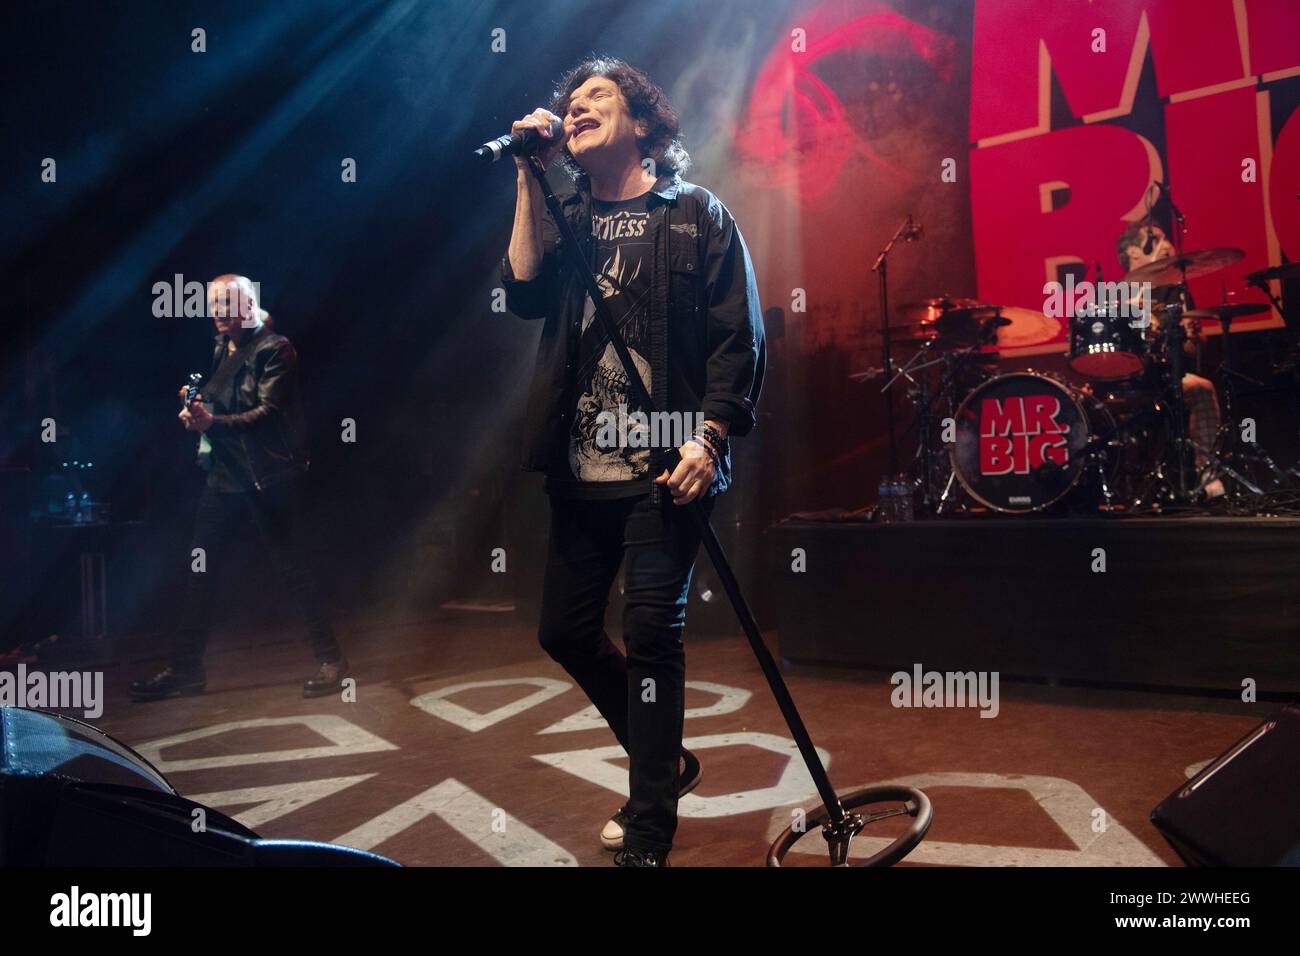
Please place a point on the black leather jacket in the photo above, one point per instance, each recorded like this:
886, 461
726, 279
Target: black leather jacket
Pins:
707, 348
258, 424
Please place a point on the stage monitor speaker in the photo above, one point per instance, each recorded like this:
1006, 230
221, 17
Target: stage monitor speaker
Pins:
70, 795
1243, 808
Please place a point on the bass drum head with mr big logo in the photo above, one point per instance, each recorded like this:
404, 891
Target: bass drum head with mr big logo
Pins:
1019, 442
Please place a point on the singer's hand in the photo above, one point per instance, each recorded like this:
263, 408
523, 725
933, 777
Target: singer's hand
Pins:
692, 476
539, 119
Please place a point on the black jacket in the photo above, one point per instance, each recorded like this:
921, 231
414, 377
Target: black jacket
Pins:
707, 351
261, 432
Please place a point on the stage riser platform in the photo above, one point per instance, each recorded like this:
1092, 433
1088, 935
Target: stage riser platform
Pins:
1192, 602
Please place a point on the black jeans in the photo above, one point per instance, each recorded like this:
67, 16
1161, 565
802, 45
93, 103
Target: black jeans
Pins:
272, 514
642, 696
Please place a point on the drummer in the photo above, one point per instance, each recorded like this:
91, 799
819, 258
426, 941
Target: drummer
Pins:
1199, 396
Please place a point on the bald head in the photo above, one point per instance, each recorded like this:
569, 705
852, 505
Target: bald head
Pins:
233, 305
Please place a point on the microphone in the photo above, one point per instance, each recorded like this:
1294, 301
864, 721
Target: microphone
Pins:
517, 144
1150, 244
912, 230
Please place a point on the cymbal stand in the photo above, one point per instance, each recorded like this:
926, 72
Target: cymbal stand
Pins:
953, 362
1175, 336
1230, 430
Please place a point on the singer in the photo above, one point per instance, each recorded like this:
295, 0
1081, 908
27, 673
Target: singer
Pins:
680, 284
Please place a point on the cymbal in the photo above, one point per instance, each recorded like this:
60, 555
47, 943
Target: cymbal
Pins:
1012, 327
928, 310
1216, 312
909, 333
1199, 262
1290, 270
951, 329
968, 325
1025, 327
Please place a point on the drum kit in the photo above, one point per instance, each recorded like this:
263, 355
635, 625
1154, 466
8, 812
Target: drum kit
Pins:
1111, 437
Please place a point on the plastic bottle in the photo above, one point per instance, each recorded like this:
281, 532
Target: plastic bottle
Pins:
903, 500
886, 502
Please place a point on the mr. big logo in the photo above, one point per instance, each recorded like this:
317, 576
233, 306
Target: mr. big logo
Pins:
1021, 434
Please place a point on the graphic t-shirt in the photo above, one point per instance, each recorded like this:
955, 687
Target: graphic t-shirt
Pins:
607, 454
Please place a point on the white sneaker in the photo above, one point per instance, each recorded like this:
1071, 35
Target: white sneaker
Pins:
689, 775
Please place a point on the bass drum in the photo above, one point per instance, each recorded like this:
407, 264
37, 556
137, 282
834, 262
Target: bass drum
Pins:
1024, 440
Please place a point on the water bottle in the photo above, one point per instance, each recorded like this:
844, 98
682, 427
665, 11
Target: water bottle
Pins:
886, 502
903, 500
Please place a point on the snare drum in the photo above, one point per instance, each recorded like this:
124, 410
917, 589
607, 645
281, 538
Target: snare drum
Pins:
1105, 346
1022, 441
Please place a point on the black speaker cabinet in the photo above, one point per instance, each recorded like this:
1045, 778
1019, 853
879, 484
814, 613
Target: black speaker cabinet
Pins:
72, 796
1242, 809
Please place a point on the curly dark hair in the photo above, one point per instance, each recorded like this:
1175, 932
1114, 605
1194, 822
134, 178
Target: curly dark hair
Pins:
646, 104
1134, 235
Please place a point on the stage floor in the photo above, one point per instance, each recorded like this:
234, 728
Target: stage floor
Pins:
515, 769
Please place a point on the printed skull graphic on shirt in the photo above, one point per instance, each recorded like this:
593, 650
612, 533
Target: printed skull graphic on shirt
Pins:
622, 270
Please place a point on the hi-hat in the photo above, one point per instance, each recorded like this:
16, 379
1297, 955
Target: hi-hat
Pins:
1290, 270
928, 310
1216, 312
951, 329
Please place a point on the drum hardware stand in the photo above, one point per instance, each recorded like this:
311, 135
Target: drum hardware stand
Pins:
1095, 457
1182, 491
947, 489
923, 436
1230, 431
837, 824
1174, 336
1258, 281
953, 362
1217, 466
921, 400
1097, 461
908, 232
1095, 450
1159, 488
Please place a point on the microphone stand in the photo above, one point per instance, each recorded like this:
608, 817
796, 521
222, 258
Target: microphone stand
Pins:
881, 266
839, 826
1175, 336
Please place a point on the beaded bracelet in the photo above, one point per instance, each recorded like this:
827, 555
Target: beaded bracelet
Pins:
706, 446
711, 435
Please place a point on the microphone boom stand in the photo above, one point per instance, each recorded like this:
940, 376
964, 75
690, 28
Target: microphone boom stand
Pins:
881, 266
